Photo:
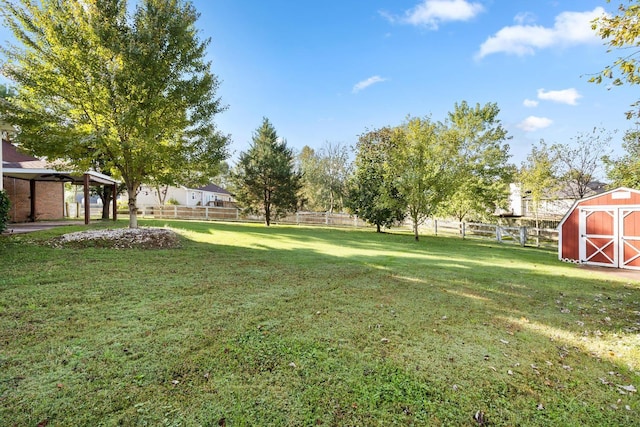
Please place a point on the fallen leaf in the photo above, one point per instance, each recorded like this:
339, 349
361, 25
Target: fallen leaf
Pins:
293, 365
504, 341
540, 407
385, 340
479, 418
630, 388
175, 382
510, 372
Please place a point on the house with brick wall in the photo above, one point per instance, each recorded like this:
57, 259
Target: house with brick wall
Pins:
36, 189
50, 194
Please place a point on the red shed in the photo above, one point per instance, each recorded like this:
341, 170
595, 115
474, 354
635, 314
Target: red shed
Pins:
603, 230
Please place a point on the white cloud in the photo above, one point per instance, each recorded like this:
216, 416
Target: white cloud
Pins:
533, 123
570, 28
524, 18
565, 96
366, 83
530, 103
431, 13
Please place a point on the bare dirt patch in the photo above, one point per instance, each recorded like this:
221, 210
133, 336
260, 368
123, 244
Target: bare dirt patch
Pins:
120, 238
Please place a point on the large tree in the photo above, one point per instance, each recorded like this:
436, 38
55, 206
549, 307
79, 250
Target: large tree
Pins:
622, 32
483, 171
370, 195
265, 179
422, 167
325, 176
579, 163
94, 80
624, 171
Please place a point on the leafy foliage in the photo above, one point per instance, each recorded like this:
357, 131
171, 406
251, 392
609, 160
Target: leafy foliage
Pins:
538, 175
5, 207
265, 180
578, 163
422, 168
325, 177
94, 81
621, 31
370, 195
625, 170
483, 171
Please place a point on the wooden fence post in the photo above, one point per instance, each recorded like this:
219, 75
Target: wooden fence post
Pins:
498, 234
523, 236
435, 226
464, 229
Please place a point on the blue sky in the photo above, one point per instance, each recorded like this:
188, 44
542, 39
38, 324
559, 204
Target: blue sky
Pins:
327, 71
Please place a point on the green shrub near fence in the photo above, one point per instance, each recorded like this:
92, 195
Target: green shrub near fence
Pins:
5, 207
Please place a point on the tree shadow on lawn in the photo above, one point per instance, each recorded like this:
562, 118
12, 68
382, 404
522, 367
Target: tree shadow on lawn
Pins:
444, 326
526, 283
485, 301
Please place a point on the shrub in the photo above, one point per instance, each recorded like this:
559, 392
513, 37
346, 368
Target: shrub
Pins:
5, 206
172, 201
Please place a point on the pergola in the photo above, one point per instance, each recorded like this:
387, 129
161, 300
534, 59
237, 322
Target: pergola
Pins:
86, 180
33, 170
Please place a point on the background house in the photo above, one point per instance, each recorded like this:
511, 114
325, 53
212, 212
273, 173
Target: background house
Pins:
553, 206
209, 195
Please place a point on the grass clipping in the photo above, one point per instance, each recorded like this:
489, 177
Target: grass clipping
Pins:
120, 238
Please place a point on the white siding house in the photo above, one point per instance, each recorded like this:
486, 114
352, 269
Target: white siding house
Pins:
209, 195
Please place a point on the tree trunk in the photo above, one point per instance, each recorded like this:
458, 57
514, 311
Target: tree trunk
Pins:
267, 214
133, 209
377, 228
415, 230
105, 196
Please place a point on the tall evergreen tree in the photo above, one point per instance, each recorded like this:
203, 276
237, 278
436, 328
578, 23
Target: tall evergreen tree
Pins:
94, 81
265, 179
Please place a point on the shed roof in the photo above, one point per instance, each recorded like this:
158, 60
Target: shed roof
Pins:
595, 196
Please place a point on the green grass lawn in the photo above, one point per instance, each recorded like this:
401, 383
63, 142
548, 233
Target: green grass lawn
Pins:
296, 326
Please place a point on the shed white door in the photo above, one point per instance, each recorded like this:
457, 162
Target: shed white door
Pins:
630, 238
610, 236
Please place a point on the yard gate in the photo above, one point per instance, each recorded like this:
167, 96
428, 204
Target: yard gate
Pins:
603, 230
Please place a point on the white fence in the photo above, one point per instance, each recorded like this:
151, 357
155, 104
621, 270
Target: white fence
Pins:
541, 237
466, 230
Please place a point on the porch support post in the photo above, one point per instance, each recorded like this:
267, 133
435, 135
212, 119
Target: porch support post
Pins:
32, 193
87, 200
114, 193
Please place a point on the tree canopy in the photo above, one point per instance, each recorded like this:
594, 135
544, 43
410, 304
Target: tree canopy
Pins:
94, 81
325, 174
370, 195
621, 32
483, 171
624, 171
265, 180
